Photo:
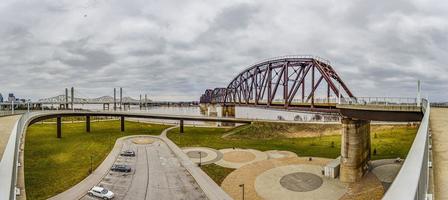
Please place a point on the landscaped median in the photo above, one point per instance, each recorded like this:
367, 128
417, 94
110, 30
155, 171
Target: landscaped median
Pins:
54, 165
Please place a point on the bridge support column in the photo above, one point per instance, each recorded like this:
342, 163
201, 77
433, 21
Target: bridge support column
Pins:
355, 149
122, 123
88, 123
228, 110
181, 126
58, 127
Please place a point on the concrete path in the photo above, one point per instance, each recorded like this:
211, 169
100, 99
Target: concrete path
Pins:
203, 155
6, 126
439, 128
236, 158
210, 188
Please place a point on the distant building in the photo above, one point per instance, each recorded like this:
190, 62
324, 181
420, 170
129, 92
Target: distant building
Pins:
1, 97
11, 97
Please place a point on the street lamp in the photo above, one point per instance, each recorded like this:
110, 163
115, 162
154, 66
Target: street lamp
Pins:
200, 158
242, 185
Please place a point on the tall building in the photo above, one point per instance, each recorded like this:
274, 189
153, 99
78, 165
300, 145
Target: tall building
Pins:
11, 97
1, 97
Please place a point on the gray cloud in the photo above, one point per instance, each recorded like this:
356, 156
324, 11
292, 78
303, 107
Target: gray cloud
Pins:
176, 49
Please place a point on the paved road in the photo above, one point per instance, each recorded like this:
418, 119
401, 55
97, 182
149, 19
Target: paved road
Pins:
156, 174
6, 126
439, 128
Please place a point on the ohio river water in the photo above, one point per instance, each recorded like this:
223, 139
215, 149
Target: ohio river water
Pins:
240, 112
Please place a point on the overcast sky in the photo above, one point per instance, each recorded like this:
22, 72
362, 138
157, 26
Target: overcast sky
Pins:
174, 50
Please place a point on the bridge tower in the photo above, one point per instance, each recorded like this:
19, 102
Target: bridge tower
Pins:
66, 98
115, 99
73, 97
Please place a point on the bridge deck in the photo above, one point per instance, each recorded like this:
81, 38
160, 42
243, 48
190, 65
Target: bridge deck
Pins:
6, 126
439, 129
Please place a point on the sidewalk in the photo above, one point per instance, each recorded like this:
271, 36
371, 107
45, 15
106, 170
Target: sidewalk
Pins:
439, 128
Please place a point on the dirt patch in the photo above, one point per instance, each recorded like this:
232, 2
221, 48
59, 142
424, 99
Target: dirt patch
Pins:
368, 188
238, 156
304, 134
143, 141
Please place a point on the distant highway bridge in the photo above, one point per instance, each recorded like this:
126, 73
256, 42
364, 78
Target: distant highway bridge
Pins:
68, 101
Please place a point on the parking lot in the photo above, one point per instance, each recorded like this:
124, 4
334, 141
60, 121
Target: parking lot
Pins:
156, 174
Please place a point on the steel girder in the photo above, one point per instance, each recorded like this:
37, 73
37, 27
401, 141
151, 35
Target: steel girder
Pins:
284, 81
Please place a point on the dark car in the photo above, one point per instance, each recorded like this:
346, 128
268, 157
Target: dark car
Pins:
128, 153
121, 168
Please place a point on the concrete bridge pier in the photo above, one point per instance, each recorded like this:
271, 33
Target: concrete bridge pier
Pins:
58, 127
106, 106
355, 149
181, 126
228, 110
122, 123
88, 123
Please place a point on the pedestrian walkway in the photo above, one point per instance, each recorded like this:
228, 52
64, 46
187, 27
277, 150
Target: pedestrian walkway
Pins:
6, 126
439, 127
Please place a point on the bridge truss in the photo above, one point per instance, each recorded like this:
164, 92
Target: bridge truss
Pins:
287, 82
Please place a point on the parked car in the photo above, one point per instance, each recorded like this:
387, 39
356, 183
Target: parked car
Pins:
121, 168
128, 153
101, 193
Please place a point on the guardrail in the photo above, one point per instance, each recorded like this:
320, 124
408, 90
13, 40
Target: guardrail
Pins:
412, 180
380, 101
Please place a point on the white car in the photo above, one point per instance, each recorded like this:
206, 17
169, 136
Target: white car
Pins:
101, 193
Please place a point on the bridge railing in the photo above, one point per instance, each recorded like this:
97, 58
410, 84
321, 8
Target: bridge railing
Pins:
380, 101
412, 180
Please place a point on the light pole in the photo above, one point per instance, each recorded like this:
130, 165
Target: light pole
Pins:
242, 185
200, 158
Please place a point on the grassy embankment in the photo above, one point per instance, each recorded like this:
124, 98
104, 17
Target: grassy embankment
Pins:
304, 139
54, 165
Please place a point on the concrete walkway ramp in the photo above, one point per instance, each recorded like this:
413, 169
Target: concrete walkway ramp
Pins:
439, 127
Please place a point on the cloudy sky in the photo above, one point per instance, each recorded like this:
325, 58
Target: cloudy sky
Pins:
174, 50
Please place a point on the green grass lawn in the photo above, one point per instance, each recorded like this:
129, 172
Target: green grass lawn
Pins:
216, 172
389, 141
54, 165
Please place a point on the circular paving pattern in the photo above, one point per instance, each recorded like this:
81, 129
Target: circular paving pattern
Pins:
235, 158
387, 173
301, 182
206, 156
197, 154
238, 156
274, 154
143, 140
